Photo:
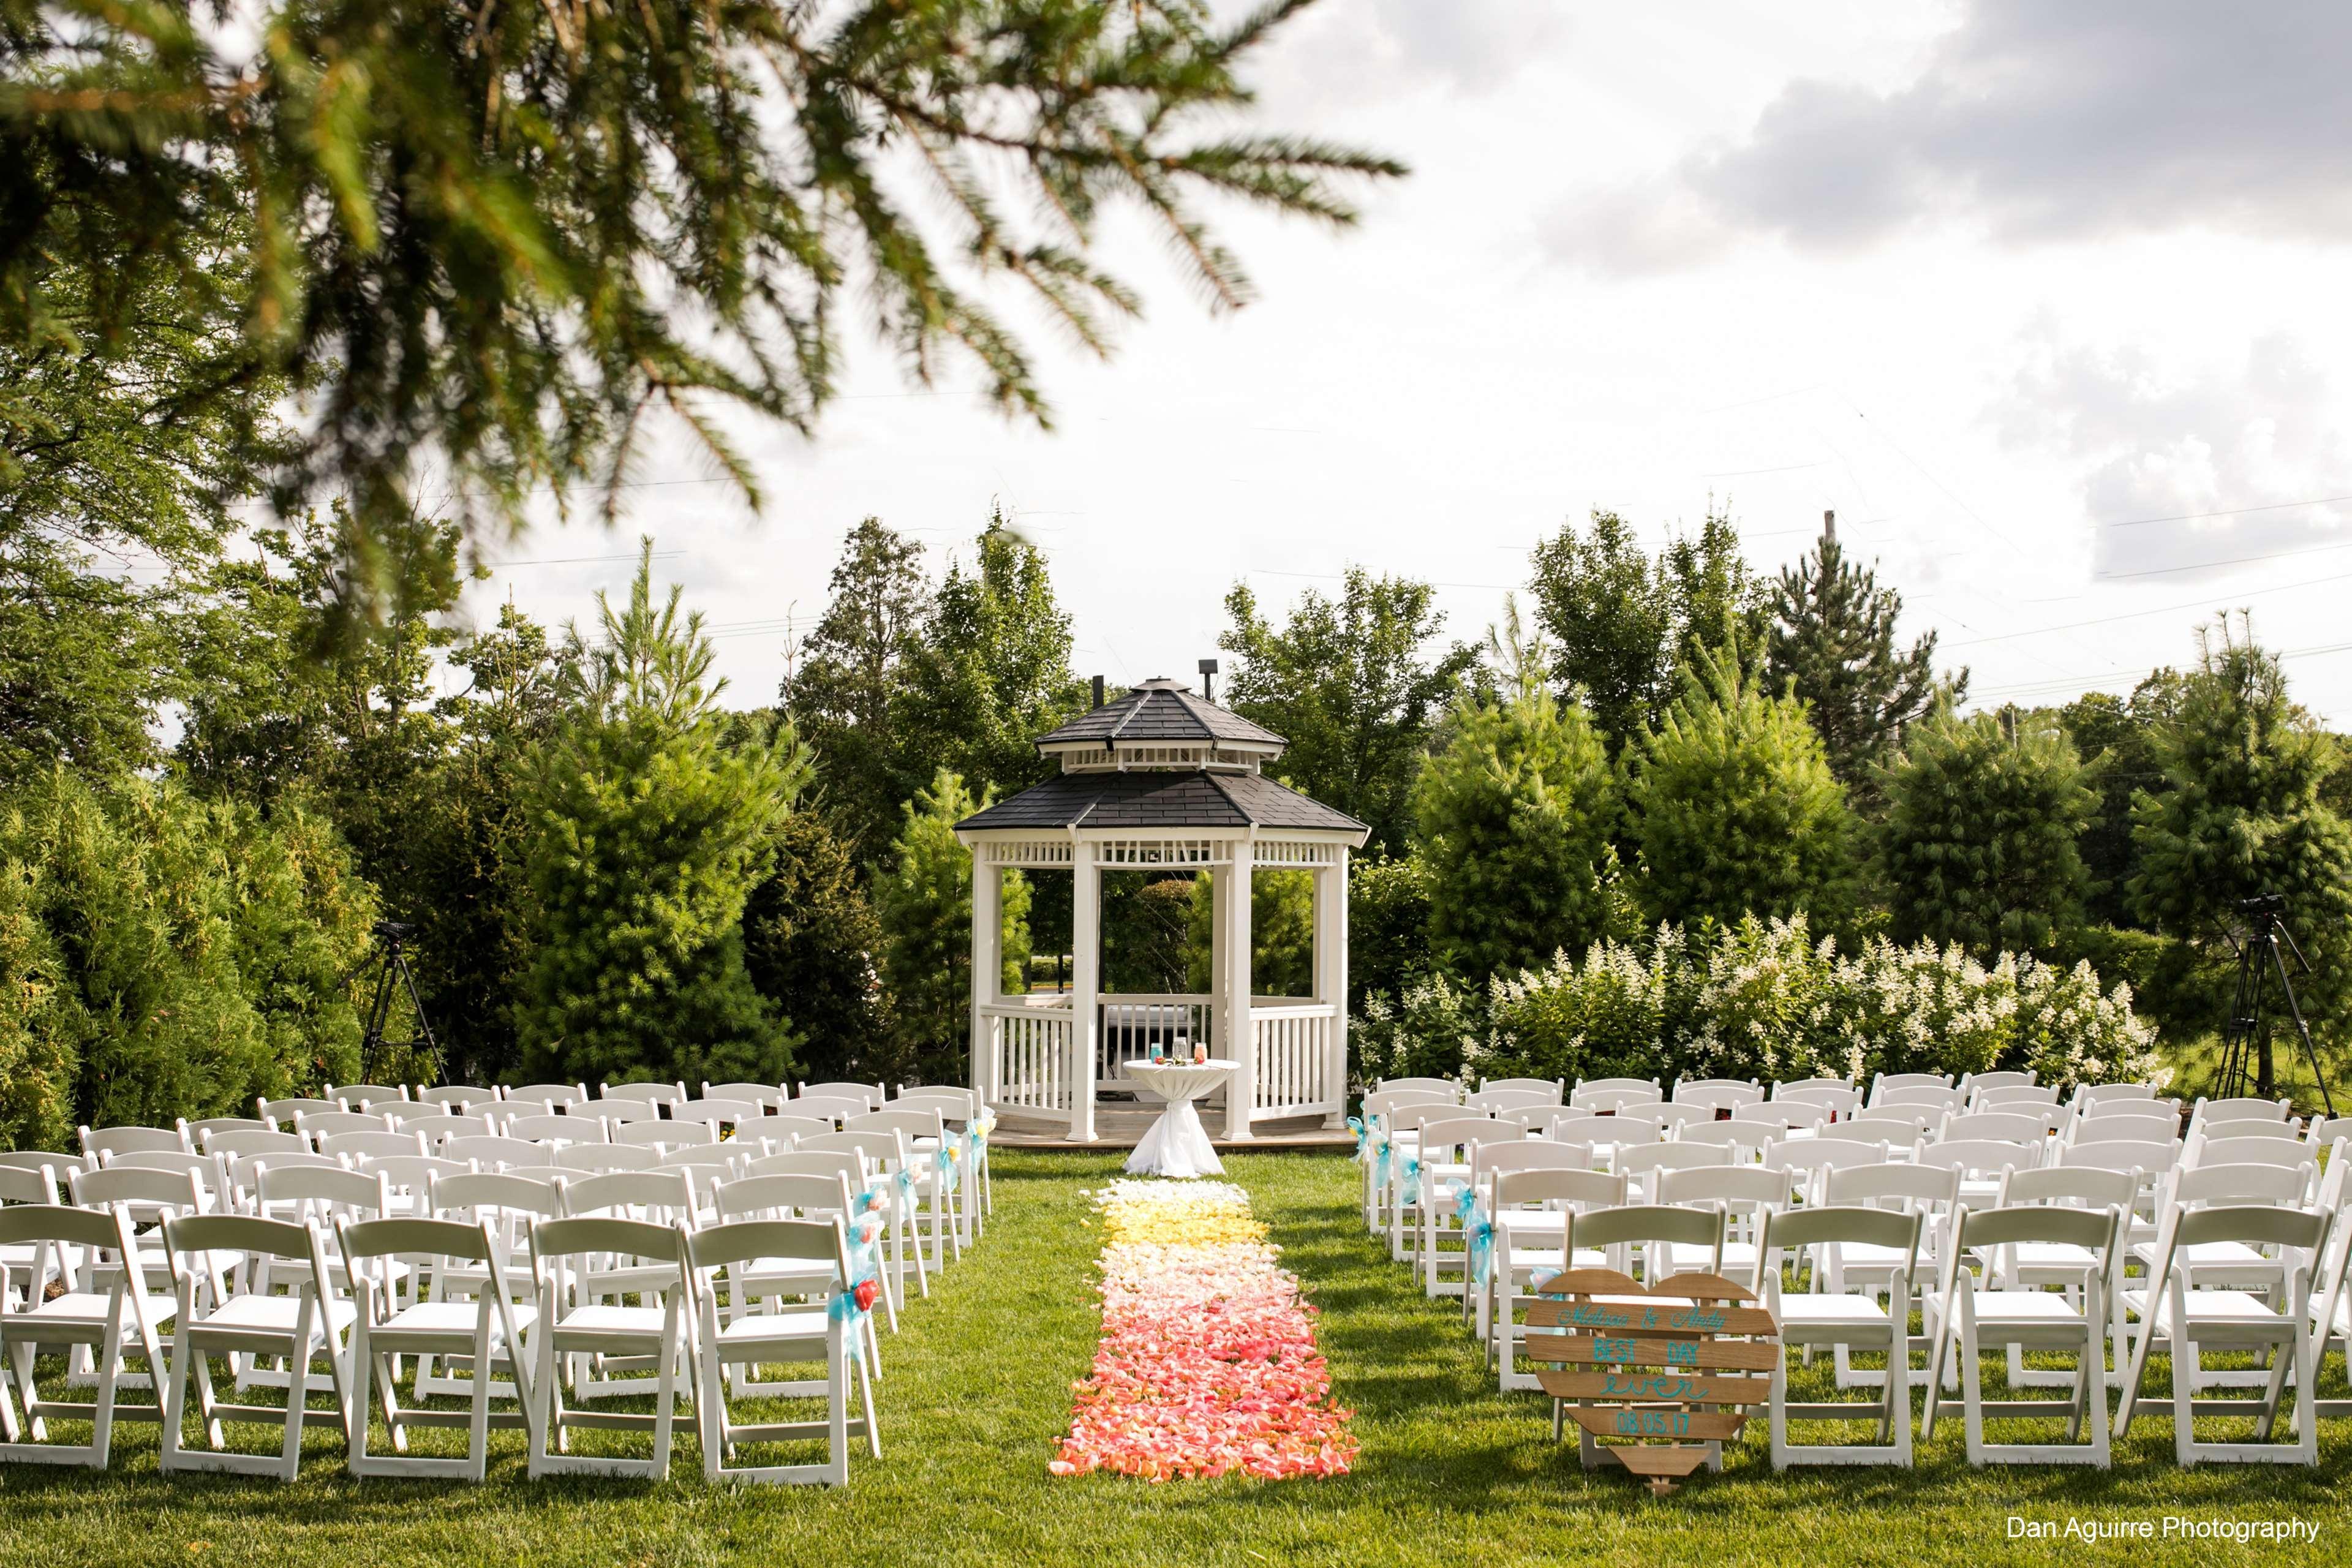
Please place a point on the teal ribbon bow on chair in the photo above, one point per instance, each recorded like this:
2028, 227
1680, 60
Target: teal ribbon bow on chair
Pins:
1466, 1203
1356, 1126
950, 1176
1381, 1157
906, 1179
1480, 1230
1409, 1192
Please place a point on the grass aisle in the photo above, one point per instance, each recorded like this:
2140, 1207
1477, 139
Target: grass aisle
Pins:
976, 1393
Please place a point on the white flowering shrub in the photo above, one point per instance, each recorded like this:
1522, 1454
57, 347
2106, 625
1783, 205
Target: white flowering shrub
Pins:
1428, 1032
1766, 999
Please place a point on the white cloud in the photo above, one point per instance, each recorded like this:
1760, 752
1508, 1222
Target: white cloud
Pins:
2187, 474
2029, 121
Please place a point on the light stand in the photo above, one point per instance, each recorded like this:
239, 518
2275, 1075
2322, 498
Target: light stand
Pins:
2262, 956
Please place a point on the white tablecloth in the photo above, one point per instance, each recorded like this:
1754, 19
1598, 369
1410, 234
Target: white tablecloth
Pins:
1176, 1145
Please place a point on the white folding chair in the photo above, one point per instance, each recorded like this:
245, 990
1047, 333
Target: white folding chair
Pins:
1846, 1322
508, 1204
568, 1096
2028, 1265
309, 1321
1973, 1315
645, 1091
828, 1334
360, 1096
811, 1197
868, 1095
1883, 1083
556, 1129
1745, 1194
601, 1159
1641, 1167
663, 1134
1614, 1093
486, 1333
279, 1115
1716, 1093
661, 1198
1555, 1087
938, 1160
122, 1320
572, 1274
769, 1098
377, 1145
97, 1143
2193, 1319
1529, 1209
1930, 1191
463, 1098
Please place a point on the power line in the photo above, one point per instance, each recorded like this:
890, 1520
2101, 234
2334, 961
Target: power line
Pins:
2232, 512
2161, 610
2215, 565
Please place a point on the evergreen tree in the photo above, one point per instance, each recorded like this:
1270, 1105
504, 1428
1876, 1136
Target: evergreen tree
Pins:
1832, 642
2238, 813
1977, 845
993, 671
1351, 684
647, 833
1388, 925
813, 947
1281, 933
2117, 740
923, 896
501, 242
1626, 625
1733, 806
840, 688
1515, 809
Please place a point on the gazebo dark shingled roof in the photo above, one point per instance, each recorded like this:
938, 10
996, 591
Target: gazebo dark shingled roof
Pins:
1159, 712
1155, 799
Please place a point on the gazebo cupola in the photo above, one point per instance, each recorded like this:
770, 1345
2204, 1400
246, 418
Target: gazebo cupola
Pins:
1160, 778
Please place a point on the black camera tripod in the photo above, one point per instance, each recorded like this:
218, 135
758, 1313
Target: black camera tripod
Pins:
389, 959
2262, 955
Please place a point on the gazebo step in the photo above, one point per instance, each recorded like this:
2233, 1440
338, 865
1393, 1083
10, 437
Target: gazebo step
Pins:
1122, 1126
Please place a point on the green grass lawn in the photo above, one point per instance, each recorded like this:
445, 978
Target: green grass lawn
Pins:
976, 1392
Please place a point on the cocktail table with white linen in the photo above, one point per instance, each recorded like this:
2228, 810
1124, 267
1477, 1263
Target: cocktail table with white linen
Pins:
1176, 1145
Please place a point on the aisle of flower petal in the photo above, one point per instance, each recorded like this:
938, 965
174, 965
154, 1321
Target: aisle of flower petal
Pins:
1207, 1364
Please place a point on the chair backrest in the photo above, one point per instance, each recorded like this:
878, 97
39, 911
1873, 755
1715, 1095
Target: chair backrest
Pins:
1556, 1087
2080, 1186
2005, 1127
886, 1150
2089, 1094
1887, 1082
2003, 1078
242, 1172
98, 1141
2238, 1183
316, 1125
2163, 1126
664, 1134
2292, 1151
2251, 1224
1490, 1160
491, 1152
768, 1097
411, 1176
1978, 1156
2326, 1130
2142, 1154
549, 1093
2093, 1229
558, 1129
463, 1241
913, 1123
19, 1185
703, 1172
1412, 1117
321, 1192
502, 1197
831, 1107
744, 1241
1576, 1189
958, 1107
1716, 1093
2241, 1108
173, 1189
665, 1197
782, 1130
1638, 1224
1444, 1086
1788, 1231
848, 1165
649, 1092
1593, 1097
1642, 1167
281, 1113
1512, 1098
601, 1157
1384, 1101
1739, 1188
1441, 1136
1903, 1122
378, 1145
1993, 1096
199, 1130
1785, 1114
2245, 1127
714, 1111
245, 1141
360, 1096
1744, 1139
604, 1235
1665, 1116
441, 1129
869, 1096
423, 1117
205, 1236
1903, 1187
1590, 1128
782, 1197
465, 1097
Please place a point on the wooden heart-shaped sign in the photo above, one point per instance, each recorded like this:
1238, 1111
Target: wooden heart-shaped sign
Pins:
1634, 1364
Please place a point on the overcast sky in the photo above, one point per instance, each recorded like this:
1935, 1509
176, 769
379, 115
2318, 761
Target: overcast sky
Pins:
2047, 300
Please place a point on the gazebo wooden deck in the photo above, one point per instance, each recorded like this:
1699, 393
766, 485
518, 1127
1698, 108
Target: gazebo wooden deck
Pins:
1161, 779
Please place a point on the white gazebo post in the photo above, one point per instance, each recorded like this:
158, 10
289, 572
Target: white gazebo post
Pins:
1332, 971
987, 967
1085, 964
1241, 1039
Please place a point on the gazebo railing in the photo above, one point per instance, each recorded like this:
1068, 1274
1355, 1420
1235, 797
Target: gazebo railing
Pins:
1130, 1024
1297, 1070
1030, 1047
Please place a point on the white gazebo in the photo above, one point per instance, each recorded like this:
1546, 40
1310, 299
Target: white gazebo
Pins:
1161, 779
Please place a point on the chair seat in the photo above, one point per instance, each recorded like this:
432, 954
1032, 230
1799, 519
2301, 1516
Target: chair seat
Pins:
2054, 1254
1531, 1222
598, 1318
2203, 1254
2220, 1309
81, 1309
1854, 1255
1526, 1258
808, 1323
452, 1318
269, 1314
2032, 1308
1831, 1310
